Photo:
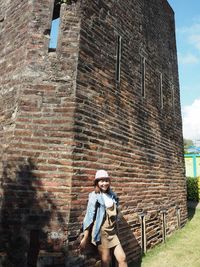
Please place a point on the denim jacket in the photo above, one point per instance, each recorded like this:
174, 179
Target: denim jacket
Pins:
96, 211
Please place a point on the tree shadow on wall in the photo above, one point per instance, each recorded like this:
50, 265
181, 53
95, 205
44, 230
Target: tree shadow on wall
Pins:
26, 213
129, 243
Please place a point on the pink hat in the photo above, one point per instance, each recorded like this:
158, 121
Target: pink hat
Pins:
101, 174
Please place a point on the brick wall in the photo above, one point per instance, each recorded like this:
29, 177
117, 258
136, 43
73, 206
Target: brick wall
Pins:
134, 138
38, 94
63, 115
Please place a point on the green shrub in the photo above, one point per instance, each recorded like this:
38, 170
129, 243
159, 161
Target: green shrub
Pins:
192, 189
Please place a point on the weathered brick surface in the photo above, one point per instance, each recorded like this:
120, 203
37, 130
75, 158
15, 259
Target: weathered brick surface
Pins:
63, 115
37, 134
132, 137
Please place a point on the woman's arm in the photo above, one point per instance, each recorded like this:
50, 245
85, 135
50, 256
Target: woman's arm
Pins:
84, 239
90, 212
88, 220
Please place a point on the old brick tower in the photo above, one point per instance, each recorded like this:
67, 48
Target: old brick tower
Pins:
105, 96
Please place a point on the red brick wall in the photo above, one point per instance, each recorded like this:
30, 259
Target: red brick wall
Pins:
38, 129
137, 141
63, 115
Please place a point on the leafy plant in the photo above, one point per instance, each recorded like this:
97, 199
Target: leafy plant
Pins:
192, 189
187, 143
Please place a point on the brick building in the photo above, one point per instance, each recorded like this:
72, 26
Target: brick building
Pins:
107, 96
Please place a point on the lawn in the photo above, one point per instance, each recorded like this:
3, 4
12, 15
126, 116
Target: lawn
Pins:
182, 249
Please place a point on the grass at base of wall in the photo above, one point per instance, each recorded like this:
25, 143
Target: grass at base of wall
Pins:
181, 248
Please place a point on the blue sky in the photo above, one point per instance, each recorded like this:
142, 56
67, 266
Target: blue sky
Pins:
187, 21
54, 33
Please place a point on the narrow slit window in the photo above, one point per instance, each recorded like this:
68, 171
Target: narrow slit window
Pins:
161, 90
178, 214
55, 23
34, 248
119, 54
164, 230
143, 233
173, 103
143, 67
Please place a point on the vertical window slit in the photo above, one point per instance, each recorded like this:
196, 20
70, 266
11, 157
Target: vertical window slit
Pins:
143, 63
118, 61
161, 90
55, 23
164, 228
178, 215
173, 103
143, 233
34, 248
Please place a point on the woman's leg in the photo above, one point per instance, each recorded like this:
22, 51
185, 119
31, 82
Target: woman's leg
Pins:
120, 256
105, 256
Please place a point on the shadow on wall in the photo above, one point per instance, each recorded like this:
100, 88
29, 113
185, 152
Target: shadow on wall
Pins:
26, 213
130, 243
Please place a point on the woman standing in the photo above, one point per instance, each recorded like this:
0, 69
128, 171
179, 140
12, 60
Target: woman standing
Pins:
100, 222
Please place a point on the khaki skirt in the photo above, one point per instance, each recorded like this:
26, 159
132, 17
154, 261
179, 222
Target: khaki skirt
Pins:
109, 238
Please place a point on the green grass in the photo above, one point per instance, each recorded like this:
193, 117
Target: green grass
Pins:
182, 249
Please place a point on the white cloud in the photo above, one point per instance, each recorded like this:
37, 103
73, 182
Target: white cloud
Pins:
194, 39
191, 120
187, 59
191, 34
192, 29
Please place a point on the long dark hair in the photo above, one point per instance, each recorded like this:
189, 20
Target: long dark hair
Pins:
97, 190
